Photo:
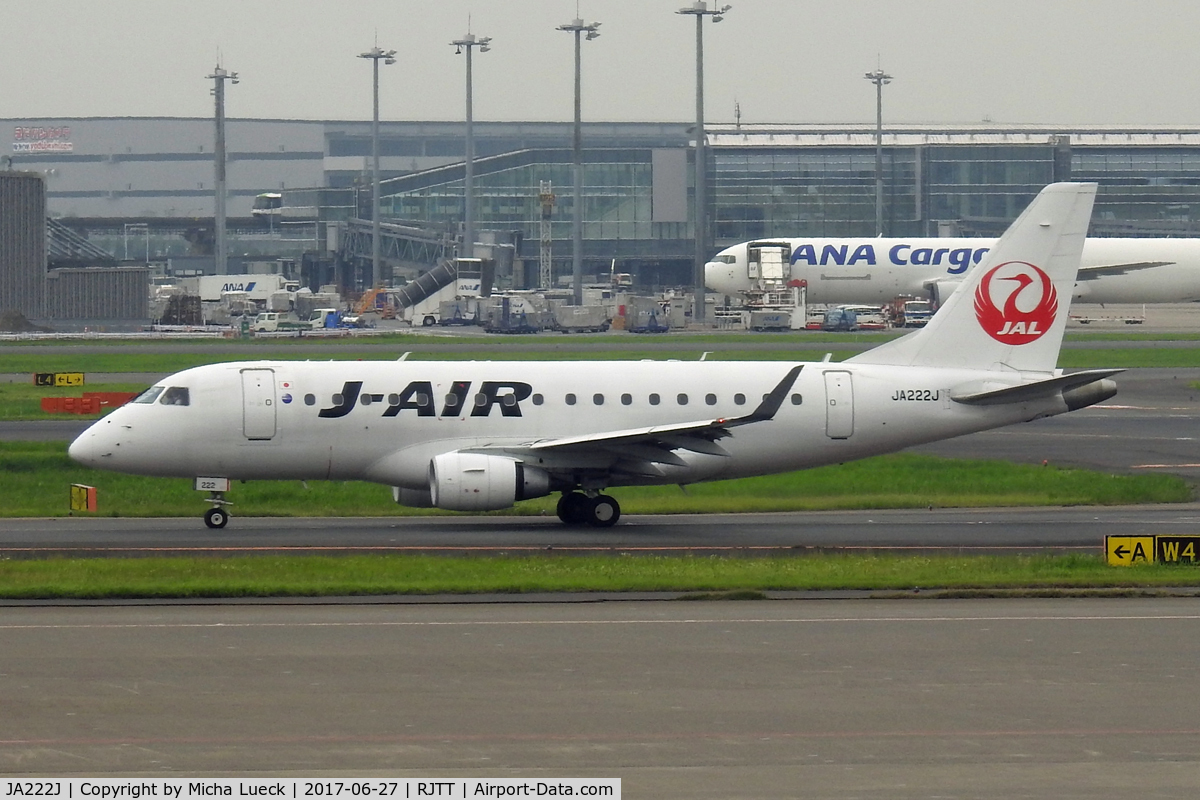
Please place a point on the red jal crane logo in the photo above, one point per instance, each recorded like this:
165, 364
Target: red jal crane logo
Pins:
1027, 311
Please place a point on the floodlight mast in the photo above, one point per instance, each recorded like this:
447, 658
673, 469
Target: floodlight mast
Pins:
388, 57
469, 43
700, 10
879, 78
578, 27
220, 251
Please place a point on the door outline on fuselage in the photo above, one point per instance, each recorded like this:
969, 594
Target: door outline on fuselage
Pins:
839, 404
258, 404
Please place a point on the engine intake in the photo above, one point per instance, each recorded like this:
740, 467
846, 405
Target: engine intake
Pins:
477, 482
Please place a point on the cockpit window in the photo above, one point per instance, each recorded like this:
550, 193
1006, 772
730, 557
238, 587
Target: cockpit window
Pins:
175, 396
150, 395
727, 259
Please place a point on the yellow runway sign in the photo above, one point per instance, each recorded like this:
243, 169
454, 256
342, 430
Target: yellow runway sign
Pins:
1125, 551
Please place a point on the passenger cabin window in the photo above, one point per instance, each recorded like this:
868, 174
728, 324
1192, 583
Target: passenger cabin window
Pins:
598, 399
710, 399
740, 399
310, 400
626, 399
150, 395
570, 398
797, 399
654, 399
682, 399
175, 396
538, 399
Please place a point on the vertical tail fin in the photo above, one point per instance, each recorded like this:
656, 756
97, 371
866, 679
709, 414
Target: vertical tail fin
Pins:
1010, 312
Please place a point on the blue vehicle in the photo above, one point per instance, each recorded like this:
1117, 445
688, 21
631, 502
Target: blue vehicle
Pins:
840, 319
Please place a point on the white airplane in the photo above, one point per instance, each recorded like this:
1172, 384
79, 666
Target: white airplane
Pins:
479, 436
878, 270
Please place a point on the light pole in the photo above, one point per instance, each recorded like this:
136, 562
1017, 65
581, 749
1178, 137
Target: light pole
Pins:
700, 10
221, 257
388, 57
469, 43
879, 78
578, 27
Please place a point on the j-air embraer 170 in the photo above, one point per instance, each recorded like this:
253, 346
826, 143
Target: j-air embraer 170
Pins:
484, 435
878, 270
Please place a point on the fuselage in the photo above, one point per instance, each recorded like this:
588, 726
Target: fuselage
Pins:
385, 421
868, 270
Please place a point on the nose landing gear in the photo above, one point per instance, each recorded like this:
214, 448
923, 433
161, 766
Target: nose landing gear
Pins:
217, 516
597, 510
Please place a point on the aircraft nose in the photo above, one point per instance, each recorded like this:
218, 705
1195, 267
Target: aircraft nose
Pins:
92, 446
83, 449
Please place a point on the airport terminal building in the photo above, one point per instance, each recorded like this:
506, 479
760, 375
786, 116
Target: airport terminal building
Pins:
105, 174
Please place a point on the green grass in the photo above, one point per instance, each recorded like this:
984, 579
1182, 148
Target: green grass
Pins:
22, 401
1125, 358
297, 575
35, 476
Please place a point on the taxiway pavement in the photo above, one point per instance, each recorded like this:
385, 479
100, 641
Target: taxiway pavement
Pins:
1002, 530
902, 699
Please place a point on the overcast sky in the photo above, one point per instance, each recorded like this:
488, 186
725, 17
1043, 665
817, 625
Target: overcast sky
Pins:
1023, 61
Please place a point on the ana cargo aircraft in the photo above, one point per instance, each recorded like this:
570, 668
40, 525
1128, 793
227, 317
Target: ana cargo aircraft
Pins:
483, 435
878, 270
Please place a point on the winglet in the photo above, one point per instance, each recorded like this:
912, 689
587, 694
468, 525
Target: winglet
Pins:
770, 404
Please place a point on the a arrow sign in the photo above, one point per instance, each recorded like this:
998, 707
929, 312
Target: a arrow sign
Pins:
1125, 551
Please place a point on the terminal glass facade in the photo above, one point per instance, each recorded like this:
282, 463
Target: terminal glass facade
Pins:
984, 181
819, 191
807, 192
617, 199
1148, 187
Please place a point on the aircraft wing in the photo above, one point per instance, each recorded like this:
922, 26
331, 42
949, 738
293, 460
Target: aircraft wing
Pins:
650, 445
1100, 270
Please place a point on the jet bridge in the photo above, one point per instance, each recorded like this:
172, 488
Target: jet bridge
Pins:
404, 249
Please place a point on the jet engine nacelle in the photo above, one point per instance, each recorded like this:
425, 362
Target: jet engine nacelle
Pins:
939, 291
477, 482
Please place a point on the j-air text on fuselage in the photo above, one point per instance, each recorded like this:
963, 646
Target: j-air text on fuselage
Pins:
484, 435
878, 270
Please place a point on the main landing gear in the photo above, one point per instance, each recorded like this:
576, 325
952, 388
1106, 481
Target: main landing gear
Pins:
598, 510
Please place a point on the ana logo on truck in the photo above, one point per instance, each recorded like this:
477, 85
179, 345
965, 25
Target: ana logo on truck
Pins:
239, 287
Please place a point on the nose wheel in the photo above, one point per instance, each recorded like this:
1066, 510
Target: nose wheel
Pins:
600, 511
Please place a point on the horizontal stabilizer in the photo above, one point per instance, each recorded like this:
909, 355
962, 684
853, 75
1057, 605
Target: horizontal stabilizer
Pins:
978, 394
